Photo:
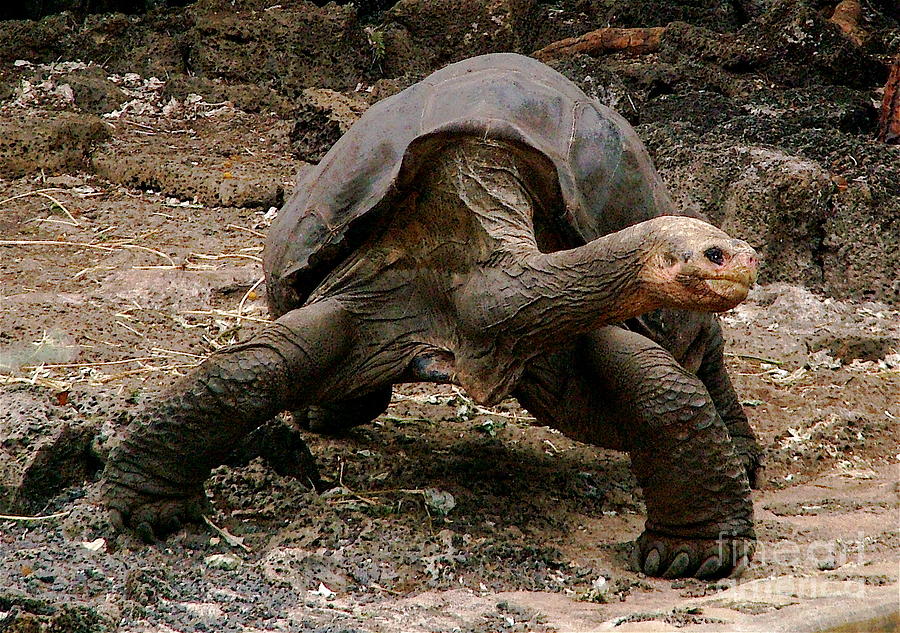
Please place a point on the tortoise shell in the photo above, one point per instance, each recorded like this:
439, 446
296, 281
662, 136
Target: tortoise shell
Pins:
597, 177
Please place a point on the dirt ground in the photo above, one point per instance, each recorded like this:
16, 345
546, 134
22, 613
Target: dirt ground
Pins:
132, 218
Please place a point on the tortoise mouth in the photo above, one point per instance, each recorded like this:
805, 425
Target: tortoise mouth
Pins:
731, 286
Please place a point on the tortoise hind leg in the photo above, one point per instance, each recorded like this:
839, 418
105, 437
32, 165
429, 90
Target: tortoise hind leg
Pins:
631, 394
335, 417
154, 478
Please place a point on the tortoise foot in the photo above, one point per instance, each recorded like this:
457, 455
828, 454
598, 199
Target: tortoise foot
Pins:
152, 515
673, 557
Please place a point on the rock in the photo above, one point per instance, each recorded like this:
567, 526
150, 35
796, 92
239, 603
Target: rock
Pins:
711, 14
36, 9
848, 344
226, 562
861, 246
44, 449
93, 91
246, 97
322, 117
422, 35
39, 142
304, 571
22, 614
207, 183
289, 46
795, 42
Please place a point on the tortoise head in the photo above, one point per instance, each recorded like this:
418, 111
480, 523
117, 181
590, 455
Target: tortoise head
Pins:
696, 266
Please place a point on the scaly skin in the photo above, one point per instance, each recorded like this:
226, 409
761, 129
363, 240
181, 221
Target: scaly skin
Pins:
715, 376
154, 478
459, 273
620, 390
695, 340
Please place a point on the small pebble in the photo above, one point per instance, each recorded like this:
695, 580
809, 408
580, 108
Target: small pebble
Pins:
228, 562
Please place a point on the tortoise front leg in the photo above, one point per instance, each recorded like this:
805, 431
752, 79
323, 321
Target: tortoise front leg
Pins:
632, 395
154, 479
715, 377
695, 340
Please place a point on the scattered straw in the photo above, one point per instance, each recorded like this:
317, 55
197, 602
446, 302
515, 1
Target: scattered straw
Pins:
759, 359
172, 352
230, 315
246, 230
54, 221
240, 309
459, 395
174, 367
129, 328
36, 380
368, 496
149, 250
104, 363
45, 517
98, 247
230, 538
226, 256
43, 193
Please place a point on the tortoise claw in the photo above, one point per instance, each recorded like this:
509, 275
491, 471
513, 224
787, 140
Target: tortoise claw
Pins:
144, 532
679, 566
651, 562
672, 557
750, 454
150, 515
709, 569
740, 567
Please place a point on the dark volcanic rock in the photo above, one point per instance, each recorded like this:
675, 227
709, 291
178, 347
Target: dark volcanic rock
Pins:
321, 117
37, 9
246, 97
43, 449
93, 91
422, 35
288, 47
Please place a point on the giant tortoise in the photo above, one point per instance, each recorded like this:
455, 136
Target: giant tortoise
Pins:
491, 227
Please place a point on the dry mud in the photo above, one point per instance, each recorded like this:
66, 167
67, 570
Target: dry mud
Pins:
132, 219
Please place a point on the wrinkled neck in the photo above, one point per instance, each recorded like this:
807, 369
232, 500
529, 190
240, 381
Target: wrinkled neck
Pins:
550, 298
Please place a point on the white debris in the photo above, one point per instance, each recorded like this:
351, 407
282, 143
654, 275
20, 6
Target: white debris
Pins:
228, 562
98, 545
439, 501
823, 360
324, 591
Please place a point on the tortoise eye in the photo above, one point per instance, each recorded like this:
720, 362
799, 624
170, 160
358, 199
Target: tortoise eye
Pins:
715, 255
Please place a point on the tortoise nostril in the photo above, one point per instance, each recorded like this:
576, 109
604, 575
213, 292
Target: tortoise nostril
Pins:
715, 255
